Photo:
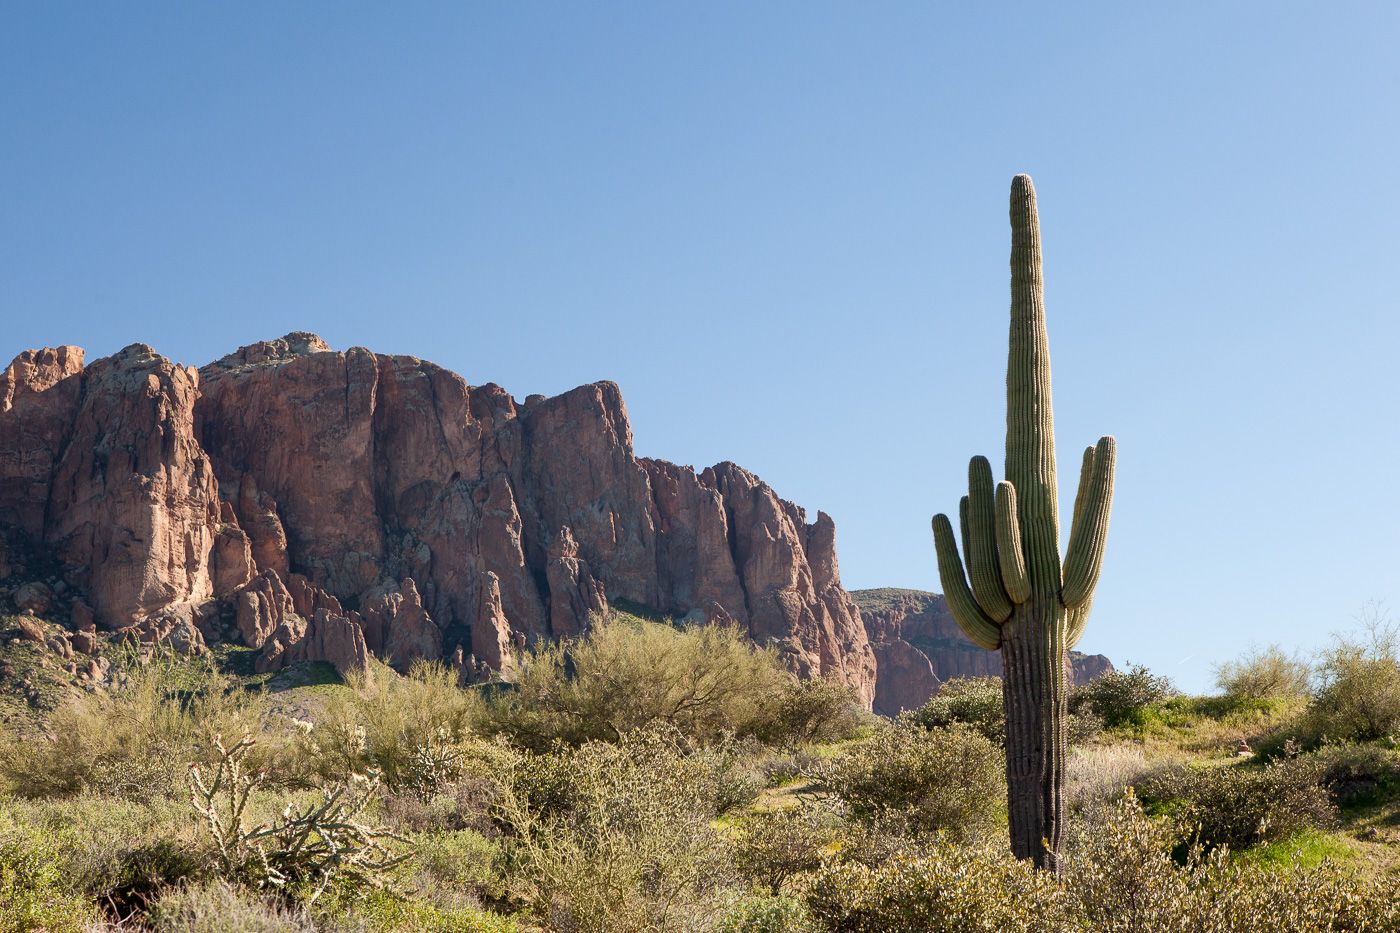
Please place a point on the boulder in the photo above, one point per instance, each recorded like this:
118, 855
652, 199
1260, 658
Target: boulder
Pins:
33, 597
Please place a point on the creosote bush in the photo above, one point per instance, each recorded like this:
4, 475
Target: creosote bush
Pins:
134, 740
36, 894
1264, 674
626, 674
1122, 698
1243, 805
409, 729
616, 837
1358, 695
944, 889
939, 780
973, 701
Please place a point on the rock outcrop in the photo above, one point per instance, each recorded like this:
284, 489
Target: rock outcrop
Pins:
918, 645
327, 505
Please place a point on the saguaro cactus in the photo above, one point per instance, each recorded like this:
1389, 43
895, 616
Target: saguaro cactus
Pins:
1021, 600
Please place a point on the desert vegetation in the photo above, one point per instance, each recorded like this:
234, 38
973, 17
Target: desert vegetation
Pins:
659, 776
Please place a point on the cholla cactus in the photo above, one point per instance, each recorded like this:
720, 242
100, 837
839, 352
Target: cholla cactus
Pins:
1021, 600
309, 846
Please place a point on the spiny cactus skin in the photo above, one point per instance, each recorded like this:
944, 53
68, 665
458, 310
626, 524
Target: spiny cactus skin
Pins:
1020, 599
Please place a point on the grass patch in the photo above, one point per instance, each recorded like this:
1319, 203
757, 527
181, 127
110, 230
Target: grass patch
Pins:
1305, 850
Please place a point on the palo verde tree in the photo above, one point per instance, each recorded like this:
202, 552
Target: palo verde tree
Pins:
1021, 600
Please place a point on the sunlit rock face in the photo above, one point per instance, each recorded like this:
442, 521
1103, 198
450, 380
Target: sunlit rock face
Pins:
328, 505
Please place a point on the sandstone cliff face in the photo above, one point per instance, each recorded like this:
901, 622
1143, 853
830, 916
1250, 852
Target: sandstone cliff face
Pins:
289, 493
918, 645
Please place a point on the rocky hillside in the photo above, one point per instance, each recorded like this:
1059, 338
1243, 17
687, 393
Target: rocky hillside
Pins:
325, 505
918, 645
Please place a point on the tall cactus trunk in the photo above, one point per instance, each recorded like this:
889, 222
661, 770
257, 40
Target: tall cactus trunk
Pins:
1036, 697
1022, 600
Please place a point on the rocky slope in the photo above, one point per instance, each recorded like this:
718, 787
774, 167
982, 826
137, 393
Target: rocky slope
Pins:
918, 645
325, 505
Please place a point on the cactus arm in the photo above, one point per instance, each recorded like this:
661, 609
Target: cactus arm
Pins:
1013, 561
1086, 544
1081, 493
965, 523
982, 631
1078, 620
981, 551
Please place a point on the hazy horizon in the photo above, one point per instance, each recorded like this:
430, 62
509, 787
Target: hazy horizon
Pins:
782, 230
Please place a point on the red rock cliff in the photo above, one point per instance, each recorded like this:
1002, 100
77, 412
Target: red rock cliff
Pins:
315, 502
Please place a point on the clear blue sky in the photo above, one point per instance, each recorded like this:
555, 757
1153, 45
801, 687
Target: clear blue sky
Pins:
781, 228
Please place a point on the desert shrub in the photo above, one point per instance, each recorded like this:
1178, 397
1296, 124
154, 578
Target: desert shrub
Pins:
1241, 805
973, 701
1357, 774
454, 870
616, 836
1358, 695
773, 846
36, 894
1264, 674
945, 889
121, 852
135, 740
303, 850
765, 913
627, 674
977, 702
466, 803
1121, 698
346, 908
781, 767
1121, 877
218, 906
410, 729
943, 779
815, 710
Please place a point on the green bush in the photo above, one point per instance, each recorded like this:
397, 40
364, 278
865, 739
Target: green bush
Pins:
1242, 805
950, 780
946, 889
977, 702
135, 740
1357, 774
411, 729
218, 907
1121, 877
1264, 674
36, 894
1121, 698
765, 913
815, 710
628, 674
973, 701
120, 852
771, 847
1358, 696
616, 836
